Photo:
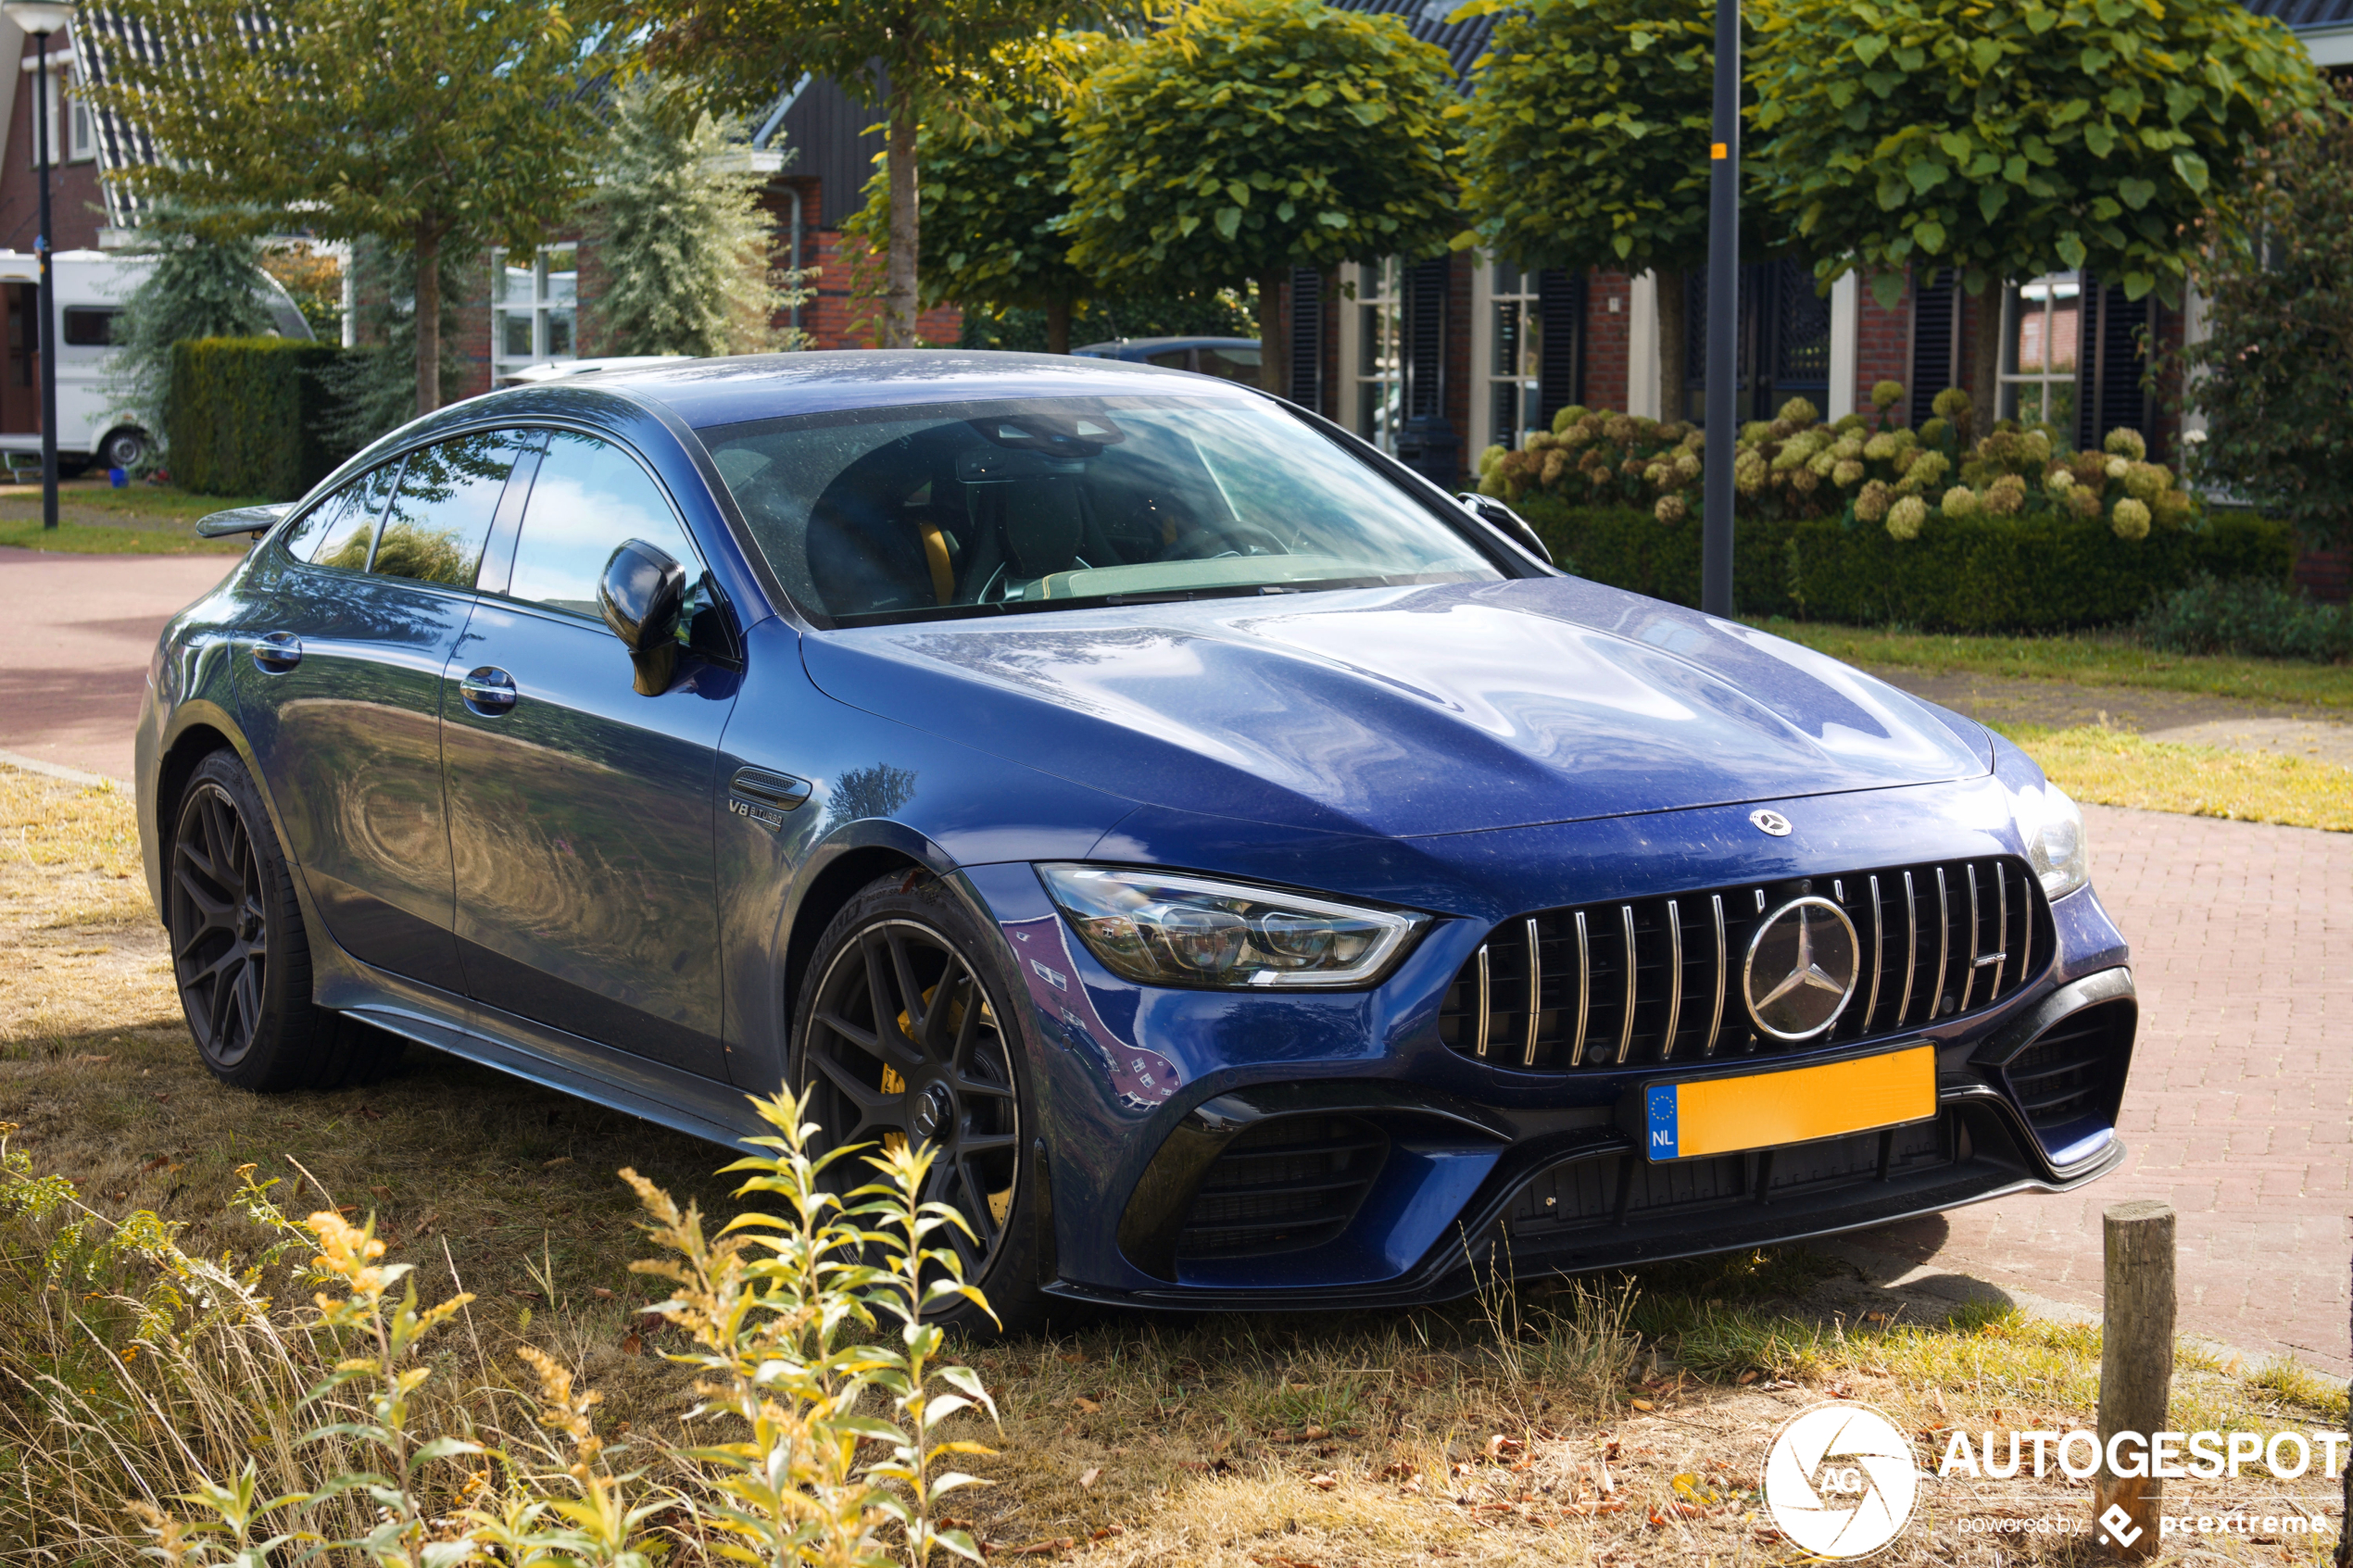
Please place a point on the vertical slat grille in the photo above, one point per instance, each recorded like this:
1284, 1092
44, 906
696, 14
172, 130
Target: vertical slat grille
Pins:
1650, 979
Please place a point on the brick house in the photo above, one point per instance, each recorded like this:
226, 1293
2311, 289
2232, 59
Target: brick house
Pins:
813, 137
1435, 358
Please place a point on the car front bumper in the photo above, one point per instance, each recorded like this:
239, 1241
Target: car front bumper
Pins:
1155, 1101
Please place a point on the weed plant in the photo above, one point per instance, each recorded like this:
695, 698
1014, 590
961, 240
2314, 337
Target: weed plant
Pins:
144, 1384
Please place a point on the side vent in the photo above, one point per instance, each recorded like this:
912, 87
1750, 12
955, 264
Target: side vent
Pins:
2070, 1073
1284, 1186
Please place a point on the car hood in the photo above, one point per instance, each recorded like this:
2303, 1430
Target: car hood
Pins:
1404, 712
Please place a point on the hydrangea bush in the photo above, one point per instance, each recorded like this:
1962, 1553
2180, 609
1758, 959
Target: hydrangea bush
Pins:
1869, 471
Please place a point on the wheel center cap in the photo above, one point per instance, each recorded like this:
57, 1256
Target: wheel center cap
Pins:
932, 1110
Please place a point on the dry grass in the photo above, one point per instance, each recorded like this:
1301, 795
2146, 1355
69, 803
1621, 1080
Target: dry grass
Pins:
1602, 1421
2116, 767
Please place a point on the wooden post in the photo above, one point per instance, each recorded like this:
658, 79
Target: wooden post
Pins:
2136, 1369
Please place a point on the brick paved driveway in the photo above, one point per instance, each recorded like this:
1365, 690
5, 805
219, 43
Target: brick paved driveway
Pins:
2240, 1107
69, 690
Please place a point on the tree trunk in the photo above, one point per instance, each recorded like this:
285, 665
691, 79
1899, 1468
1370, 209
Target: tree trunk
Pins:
1057, 324
1674, 400
1274, 344
428, 320
1985, 362
898, 287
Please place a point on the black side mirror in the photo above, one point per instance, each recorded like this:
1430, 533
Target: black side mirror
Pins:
642, 595
1490, 510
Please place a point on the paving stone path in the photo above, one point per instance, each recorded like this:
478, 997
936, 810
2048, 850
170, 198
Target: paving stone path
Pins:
2239, 1111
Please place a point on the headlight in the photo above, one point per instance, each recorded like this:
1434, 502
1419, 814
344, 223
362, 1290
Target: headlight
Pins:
2052, 827
1173, 930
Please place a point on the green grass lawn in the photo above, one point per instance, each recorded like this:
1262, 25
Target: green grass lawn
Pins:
2089, 658
96, 518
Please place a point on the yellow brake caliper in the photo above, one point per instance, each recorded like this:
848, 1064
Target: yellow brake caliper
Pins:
1000, 1203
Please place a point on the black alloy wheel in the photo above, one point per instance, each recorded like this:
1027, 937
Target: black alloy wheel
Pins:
240, 954
219, 922
901, 1040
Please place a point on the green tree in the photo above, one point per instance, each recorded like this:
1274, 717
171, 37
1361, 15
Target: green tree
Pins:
1585, 146
684, 239
428, 126
2010, 140
934, 59
994, 195
1247, 137
206, 282
2274, 379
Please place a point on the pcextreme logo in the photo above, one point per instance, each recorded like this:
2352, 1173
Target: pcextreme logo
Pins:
1841, 1480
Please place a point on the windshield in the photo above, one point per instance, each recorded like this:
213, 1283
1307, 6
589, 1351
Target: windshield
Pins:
957, 510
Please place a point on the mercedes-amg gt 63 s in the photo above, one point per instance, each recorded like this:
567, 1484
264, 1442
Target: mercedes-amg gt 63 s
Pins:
1262, 877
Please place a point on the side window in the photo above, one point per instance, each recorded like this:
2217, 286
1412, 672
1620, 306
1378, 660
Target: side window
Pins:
339, 530
442, 512
590, 495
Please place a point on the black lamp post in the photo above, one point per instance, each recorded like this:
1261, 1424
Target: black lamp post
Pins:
41, 18
1723, 318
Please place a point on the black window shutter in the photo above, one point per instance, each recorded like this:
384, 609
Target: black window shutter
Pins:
1307, 338
1935, 364
1561, 310
1425, 283
2109, 366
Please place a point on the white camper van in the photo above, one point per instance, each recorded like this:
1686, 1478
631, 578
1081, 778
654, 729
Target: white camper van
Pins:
92, 285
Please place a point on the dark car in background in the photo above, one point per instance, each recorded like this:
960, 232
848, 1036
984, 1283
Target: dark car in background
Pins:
1228, 358
1263, 879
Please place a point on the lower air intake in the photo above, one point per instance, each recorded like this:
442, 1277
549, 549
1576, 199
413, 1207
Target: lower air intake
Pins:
2072, 1070
1284, 1186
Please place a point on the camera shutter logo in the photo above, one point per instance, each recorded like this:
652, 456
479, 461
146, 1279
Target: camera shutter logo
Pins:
1841, 1480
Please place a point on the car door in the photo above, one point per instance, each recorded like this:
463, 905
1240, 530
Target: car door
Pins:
580, 810
340, 693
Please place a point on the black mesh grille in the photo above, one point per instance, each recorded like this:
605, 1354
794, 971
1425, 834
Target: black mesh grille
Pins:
1283, 1186
2070, 1072
1655, 980
1628, 1190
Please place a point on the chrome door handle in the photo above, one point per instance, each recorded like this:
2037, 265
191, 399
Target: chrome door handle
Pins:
277, 652
489, 692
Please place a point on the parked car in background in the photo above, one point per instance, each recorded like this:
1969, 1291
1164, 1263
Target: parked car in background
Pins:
1234, 358
1263, 879
92, 285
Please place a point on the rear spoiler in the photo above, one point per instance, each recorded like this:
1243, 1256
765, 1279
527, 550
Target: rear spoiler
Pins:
242, 520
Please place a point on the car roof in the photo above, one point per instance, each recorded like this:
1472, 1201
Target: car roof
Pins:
764, 386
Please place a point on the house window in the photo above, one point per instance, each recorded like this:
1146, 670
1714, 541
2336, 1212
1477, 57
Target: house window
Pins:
534, 307
81, 131
1511, 354
73, 132
1375, 351
2042, 327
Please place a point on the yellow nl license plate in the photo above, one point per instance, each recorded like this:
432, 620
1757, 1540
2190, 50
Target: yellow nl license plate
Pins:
1693, 1117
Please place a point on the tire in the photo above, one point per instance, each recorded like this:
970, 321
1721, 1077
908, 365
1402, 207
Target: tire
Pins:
239, 955
958, 1077
122, 448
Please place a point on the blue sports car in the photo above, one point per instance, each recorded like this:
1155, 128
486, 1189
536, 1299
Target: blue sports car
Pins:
1264, 878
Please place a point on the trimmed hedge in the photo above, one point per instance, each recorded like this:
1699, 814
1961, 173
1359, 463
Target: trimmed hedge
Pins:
2032, 573
249, 417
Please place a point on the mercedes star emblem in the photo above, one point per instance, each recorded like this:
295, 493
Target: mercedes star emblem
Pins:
1801, 970
1770, 822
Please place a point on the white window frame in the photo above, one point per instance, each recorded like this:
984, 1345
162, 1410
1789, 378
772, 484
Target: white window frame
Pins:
1376, 289
2020, 301
541, 305
81, 124
1490, 381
